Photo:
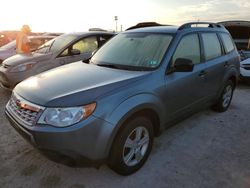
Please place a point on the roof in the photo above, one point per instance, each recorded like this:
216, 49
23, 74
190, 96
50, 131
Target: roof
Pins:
42, 37
175, 29
89, 33
145, 24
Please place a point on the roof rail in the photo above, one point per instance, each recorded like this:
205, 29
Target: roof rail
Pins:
190, 24
145, 24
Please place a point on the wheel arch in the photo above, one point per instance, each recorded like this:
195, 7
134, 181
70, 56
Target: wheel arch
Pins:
137, 106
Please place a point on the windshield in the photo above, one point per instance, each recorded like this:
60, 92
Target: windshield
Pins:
138, 50
56, 44
9, 45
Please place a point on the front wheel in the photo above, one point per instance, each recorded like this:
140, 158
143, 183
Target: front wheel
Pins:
132, 146
225, 99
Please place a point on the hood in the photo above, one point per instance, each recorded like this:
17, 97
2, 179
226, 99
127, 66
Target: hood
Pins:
74, 84
4, 53
24, 58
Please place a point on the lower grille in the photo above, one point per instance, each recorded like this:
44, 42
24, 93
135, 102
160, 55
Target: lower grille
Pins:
24, 111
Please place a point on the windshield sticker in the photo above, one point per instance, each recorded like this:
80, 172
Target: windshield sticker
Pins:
153, 62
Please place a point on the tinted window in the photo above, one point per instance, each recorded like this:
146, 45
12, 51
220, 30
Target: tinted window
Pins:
212, 45
134, 49
188, 48
227, 41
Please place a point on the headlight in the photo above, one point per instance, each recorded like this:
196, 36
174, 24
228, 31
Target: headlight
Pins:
22, 67
63, 117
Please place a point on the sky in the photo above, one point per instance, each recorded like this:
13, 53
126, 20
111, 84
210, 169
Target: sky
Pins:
80, 15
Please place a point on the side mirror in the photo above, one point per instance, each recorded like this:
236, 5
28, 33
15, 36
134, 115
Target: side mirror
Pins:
75, 52
183, 65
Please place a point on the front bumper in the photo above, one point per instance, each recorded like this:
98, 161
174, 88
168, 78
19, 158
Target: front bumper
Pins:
9, 80
87, 139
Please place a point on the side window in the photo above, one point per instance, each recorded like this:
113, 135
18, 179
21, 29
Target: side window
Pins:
188, 48
212, 45
227, 41
85, 45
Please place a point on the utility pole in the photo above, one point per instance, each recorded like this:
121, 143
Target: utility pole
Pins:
116, 20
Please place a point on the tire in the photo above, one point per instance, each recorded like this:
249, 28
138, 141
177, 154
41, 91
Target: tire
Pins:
226, 96
131, 146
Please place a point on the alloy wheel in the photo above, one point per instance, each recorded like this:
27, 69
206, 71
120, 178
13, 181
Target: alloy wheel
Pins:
135, 146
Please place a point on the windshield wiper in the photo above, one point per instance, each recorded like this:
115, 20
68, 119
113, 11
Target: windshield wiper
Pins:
124, 67
109, 65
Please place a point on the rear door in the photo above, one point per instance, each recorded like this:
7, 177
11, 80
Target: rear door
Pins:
215, 61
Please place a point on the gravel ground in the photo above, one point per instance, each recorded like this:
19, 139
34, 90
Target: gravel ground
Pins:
207, 150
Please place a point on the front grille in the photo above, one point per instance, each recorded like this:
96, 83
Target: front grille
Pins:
24, 111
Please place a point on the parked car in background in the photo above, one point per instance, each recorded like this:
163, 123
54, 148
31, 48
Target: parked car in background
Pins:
62, 50
137, 84
8, 36
245, 70
9, 49
240, 31
245, 54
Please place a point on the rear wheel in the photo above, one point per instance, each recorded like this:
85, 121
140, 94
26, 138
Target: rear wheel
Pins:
225, 99
132, 146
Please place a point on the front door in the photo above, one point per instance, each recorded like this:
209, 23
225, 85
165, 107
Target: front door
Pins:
185, 90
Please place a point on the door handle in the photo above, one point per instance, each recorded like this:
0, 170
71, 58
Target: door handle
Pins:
202, 74
226, 64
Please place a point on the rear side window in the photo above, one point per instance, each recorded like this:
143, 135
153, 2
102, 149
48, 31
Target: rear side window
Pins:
212, 45
227, 41
188, 48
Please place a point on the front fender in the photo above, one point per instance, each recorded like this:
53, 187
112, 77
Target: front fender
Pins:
132, 105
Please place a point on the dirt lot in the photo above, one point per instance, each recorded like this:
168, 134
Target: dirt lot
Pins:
207, 150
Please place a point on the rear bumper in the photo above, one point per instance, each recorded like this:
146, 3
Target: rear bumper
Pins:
86, 141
